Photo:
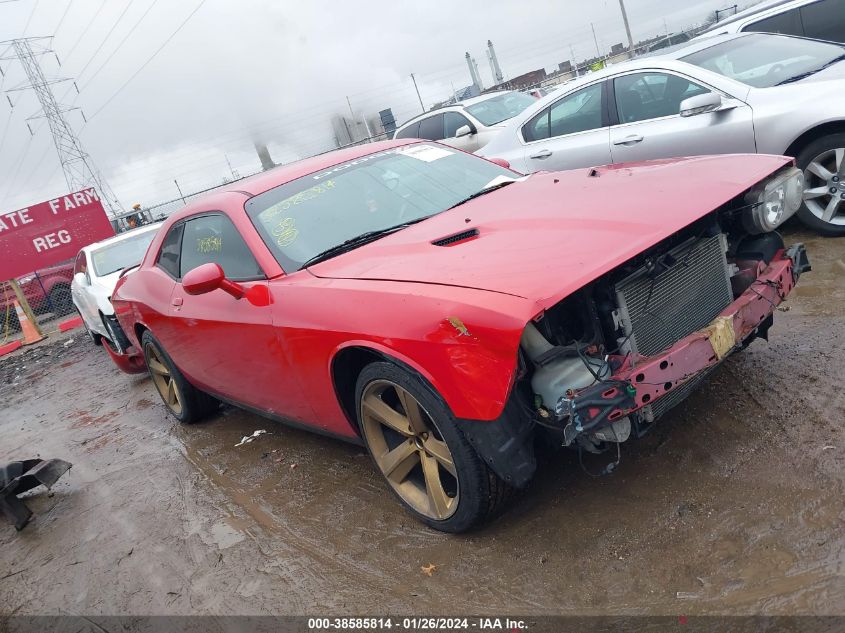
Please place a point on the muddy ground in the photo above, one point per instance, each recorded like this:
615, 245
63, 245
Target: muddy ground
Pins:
734, 505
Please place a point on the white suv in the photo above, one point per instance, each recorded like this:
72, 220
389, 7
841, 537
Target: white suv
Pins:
470, 124
819, 19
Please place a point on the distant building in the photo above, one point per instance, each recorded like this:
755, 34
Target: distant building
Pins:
526, 79
617, 49
564, 67
346, 131
388, 122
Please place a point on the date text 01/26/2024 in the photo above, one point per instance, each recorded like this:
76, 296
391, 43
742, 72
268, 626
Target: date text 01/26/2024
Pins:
415, 624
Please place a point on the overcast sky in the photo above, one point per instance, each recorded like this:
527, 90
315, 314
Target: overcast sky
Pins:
275, 71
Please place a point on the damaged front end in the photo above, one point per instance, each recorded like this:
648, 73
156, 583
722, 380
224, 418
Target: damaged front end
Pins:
608, 361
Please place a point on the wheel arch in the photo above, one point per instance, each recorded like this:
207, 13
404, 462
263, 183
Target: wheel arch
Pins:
139, 329
350, 359
813, 134
504, 444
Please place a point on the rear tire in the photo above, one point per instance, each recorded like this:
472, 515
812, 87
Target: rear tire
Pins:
61, 299
183, 401
424, 457
823, 164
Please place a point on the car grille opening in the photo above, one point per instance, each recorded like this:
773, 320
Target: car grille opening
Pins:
659, 310
451, 240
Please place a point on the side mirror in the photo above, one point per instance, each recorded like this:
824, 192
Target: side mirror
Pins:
464, 130
208, 277
700, 104
80, 279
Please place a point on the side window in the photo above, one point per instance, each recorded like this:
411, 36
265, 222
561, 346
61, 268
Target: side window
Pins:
788, 23
213, 238
452, 121
579, 112
168, 256
412, 131
644, 96
432, 128
81, 265
537, 128
824, 20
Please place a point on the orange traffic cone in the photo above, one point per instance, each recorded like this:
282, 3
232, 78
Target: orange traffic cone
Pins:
29, 331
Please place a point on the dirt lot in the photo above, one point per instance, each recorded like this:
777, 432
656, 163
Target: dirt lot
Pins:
734, 505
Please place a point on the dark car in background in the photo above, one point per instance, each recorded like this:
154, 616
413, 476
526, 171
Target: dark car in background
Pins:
46, 290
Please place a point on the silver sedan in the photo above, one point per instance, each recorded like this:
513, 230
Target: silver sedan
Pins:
754, 92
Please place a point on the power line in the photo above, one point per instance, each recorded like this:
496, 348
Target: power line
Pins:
151, 58
85, 30
105, 39
38, 164
119, 46
62, 20
31, 13
79, 169
17, 170
5, 129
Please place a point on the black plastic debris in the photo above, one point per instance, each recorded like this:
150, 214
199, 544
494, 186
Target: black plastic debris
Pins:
18, 477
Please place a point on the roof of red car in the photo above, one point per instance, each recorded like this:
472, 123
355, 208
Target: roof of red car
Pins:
282, 174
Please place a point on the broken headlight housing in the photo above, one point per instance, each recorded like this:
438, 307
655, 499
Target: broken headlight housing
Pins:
774, 201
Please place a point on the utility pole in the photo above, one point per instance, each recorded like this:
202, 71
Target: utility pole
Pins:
179, 189
627, 28
595, 39
414, 79
79, 169
574, 63
231, 171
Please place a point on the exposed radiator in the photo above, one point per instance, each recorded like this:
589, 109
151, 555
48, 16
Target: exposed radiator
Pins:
659, 310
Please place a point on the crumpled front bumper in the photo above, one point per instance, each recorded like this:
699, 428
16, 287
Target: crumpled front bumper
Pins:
131, 361
640, 381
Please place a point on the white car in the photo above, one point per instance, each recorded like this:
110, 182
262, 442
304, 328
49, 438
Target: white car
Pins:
470, 124
819, 19
95, 274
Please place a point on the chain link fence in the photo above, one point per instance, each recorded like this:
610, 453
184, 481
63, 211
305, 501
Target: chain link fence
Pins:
47, 291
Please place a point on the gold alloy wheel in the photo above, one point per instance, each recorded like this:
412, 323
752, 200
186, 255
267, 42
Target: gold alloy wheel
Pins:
409, 450
163, 380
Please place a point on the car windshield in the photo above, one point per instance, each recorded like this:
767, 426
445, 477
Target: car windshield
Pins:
312, 214
766, 60
123, 254
500, 108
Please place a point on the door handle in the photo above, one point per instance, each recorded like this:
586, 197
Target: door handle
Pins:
543, 153
633, 139
176, 301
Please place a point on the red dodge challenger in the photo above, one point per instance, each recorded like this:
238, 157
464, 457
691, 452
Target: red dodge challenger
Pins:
450, 313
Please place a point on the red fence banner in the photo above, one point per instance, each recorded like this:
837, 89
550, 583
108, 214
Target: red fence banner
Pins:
50, 232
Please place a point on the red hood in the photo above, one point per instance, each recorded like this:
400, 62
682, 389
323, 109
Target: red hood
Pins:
549, 235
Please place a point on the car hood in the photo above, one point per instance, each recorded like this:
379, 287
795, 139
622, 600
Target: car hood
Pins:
548, 235
108, 282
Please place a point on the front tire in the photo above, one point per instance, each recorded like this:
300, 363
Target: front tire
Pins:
97, 339
823, 164
185, 402
419, 449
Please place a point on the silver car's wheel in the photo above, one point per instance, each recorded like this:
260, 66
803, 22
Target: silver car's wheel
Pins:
824, 187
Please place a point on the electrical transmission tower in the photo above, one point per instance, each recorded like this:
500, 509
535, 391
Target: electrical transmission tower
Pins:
79, 169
